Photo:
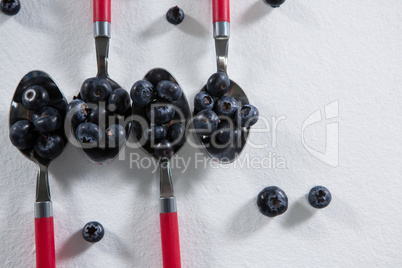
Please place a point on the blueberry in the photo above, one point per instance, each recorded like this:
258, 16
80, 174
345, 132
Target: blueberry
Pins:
319, 197
88, 132
119, 101
99, 115
77, 112
169, 90
95, 89
274, 3
227, 133
142, 93
156, 75
22, 134
163, 149
93, 231
10, 7
35, 97
47, 120
272, 201
226, 106
218, 84
206, 122
247, 115
115, 136
203, 101
175, 15
176, 134
155, 132
160, 113
49, 146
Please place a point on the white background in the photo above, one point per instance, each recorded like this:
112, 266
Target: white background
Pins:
291, 61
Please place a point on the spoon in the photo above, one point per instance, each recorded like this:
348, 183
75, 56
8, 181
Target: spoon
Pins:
102, 34
168, 208
43, 209
221, 20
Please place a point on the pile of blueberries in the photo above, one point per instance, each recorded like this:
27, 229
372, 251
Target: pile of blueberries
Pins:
218, 117
159, 101
97, 116
42, 129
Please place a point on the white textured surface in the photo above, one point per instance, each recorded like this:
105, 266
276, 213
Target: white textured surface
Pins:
291, 61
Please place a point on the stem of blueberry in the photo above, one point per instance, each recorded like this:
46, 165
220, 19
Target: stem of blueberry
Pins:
176, 12
320, 196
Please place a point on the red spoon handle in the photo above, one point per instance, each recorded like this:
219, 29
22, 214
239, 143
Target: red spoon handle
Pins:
102, 10
221, 10
44, 242
170, 240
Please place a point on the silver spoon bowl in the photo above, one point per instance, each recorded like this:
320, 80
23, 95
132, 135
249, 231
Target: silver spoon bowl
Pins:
229, 153
183, 116
19, 112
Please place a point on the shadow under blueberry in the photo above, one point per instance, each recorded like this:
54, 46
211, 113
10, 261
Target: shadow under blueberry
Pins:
340, 211
188, 178
157, 28
192, 27
256, 12
299, 212
70, 166
132, 164
35, 16
4, 18
74, 246
247, 220
118, 247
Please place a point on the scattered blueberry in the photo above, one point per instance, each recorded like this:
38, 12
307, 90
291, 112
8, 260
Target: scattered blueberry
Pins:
272, 201
142, 93
77, 112
119, 101
49, 146
274, 3
169, 90
88, 132
203, 101
247, 115
176, 134
175, 15
227, 133
160, 113
47, 120
155, 132
218, 84
226, 106
99, 115
319, 197
93, 231
35, 97
206, 122
115, 136
10, 7
95, 89
163, 149
22, 134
